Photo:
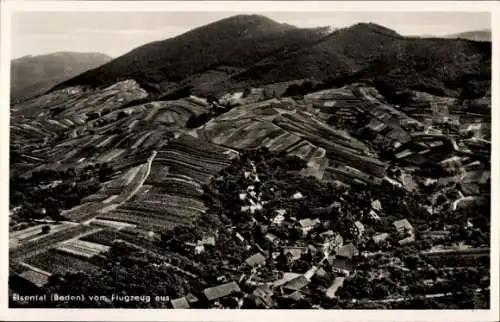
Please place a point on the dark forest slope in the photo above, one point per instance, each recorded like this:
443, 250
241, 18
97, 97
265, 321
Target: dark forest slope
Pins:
250, 50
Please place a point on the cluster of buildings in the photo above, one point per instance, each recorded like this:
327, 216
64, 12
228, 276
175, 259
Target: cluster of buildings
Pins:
292, 268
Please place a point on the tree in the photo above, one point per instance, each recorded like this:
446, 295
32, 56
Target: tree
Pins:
45, 229
121, 115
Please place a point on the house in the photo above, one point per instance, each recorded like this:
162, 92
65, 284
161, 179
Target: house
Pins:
376, 205
342, 264
296, 284
307, 224
271, 237
347, 251
296, 296
241, 238
343, 259
278, 219
191, 298
373, 215
223, 290
403, 226
180, 303
337, 283
281, 212
407, 240
207, 241
379, 238
294, 252
288, 276
311, 272
297, 195
256, 260
263, 296
360, 227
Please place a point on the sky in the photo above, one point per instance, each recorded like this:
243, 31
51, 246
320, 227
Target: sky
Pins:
115, 33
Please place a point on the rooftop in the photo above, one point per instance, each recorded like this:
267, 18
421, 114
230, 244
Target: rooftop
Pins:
347, 251
213, 293
255, 260
180, 303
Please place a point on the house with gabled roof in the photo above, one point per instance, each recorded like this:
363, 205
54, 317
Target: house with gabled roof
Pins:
223, 290
296, 284
347, 251
180, 303
263, 296
343, 261
403, 226
256, 260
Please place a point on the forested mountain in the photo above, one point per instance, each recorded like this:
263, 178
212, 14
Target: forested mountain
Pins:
249, 50
228, 45
33, 75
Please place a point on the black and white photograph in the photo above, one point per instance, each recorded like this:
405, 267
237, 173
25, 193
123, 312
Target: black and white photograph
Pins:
249, 159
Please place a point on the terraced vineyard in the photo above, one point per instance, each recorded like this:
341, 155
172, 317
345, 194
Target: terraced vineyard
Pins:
56, 262
178, 172
32, 248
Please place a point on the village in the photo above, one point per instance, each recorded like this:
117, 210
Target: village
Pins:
289, 272
350, 229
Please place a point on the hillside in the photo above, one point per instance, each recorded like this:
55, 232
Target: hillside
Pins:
376, 55
476, 35
243, 51
33, 75
111, 194
232, 44
326, 170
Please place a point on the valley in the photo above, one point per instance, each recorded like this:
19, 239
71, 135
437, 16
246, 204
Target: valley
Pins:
267, 188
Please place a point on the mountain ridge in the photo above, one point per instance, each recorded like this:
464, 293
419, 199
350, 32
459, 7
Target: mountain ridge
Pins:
256, 50
32, 75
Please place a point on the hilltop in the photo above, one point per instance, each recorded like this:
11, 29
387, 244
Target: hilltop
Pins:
221, 48
33, 75
251, 50
476, 35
